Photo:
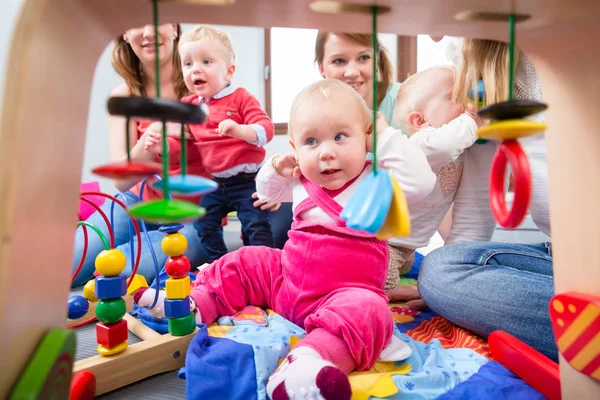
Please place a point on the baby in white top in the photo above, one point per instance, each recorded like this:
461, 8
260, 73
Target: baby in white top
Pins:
443, 130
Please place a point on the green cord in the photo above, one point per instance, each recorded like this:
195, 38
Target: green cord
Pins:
511, 56
374, 41
98, 231
183, 151
127, 150
165, 156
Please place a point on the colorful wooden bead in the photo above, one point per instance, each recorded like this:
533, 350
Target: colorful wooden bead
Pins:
511, 129
138, 282
177, 267
110, 262
182, 326
110, 311
105, 351
513, 109
110, 335
174, 244
89, 291
177, 308
78, 307
178, 288
111, 287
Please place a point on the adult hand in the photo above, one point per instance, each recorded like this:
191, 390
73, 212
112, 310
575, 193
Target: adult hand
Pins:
265, 205
410, 294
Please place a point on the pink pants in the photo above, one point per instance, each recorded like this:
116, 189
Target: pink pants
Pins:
326, 280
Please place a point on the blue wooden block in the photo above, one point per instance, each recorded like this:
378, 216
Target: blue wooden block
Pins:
112, 287
177, 308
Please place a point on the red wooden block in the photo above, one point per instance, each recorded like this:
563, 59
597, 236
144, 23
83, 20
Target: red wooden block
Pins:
111, 335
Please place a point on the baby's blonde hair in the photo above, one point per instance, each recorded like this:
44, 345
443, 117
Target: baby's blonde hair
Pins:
206, 33
411, 96
486, 60
329, 90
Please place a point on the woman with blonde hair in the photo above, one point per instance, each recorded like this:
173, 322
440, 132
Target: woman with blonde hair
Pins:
485, 286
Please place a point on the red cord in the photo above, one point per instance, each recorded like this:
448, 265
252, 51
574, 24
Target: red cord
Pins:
85, 249
82, 323
111, 231
135, 225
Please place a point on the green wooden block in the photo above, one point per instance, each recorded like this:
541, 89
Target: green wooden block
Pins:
183, 325
48, 373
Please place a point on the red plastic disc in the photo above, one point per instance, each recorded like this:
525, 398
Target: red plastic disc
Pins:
510, 152
127, 170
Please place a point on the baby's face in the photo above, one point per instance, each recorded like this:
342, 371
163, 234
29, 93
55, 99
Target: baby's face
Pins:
438, 108
206, 67
330, 141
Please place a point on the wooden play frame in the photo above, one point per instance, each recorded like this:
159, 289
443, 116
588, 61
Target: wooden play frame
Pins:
153, 355
44, 117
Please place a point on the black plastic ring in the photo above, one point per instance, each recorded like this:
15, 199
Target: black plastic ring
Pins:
156, 109
514, 109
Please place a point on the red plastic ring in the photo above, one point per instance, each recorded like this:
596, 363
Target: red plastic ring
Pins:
510, 152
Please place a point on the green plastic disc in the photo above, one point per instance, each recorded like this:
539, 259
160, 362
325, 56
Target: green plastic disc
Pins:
183, 325
166, 211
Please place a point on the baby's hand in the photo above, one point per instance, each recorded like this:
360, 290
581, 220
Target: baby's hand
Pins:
228, 127
382, 124
153, 135
153, 142
287, 166
471, 110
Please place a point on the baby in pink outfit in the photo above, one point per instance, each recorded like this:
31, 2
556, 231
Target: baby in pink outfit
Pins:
328, 279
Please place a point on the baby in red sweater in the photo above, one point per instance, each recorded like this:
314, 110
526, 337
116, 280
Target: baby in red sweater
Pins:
230, 142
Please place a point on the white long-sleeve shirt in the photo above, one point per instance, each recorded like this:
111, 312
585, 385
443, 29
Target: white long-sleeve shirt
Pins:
395, 153
444, 148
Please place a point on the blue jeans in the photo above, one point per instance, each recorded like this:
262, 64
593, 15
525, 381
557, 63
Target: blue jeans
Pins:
281, 222
484, 286
233, 194
195, 252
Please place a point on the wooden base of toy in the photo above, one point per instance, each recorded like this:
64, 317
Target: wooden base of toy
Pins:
92, 311
154, 355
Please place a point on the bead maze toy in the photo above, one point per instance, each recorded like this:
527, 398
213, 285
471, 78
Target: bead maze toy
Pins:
36, 162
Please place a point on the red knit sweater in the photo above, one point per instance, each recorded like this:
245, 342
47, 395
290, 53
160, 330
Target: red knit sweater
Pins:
220, 153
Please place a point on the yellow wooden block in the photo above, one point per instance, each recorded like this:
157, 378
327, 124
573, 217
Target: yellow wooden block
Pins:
178, 288
89, 291
105, 351
137, 282
510, 129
